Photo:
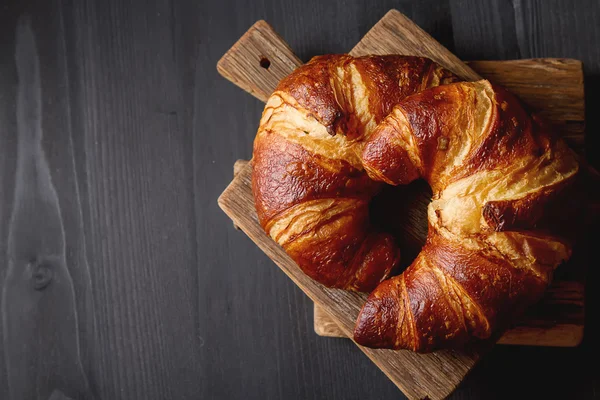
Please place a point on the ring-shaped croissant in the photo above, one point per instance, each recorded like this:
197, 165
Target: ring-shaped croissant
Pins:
338, 128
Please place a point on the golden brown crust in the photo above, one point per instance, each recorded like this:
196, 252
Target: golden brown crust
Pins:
454, 295
493, 179
339, 127
286, 174
310, 85
310, 190
524, 212
317, 86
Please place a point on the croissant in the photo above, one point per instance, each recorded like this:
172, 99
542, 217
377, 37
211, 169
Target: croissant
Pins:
310, 188
339, 128
493, 170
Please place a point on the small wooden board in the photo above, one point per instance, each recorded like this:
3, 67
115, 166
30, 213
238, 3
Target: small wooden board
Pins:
261, 58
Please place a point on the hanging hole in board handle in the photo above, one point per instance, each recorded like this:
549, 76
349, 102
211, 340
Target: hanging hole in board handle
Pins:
265, 63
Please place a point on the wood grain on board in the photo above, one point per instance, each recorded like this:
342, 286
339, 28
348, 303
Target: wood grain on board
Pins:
434, 375
258, 61
418, 375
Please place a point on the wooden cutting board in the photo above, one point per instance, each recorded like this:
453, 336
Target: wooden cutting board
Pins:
261, 58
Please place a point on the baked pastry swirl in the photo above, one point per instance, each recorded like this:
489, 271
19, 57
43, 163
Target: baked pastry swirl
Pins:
339, 127
310, 188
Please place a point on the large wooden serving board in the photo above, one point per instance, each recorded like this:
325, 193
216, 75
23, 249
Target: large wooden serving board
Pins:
261, 58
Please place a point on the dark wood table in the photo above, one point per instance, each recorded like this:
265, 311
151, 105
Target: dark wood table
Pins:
140, 133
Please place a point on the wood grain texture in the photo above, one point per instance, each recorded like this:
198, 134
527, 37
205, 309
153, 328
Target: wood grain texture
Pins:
134, 149
529, 360
567, 334
121, 164
258, 61
186, 306
552, 86
39, 313
433, 375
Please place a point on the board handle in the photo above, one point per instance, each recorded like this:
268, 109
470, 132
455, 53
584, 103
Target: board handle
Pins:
258, 61
261, 58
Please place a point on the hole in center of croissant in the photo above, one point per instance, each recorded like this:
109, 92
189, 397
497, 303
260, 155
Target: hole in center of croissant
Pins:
402, 211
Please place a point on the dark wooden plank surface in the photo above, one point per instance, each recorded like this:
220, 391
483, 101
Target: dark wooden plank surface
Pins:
140, 134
